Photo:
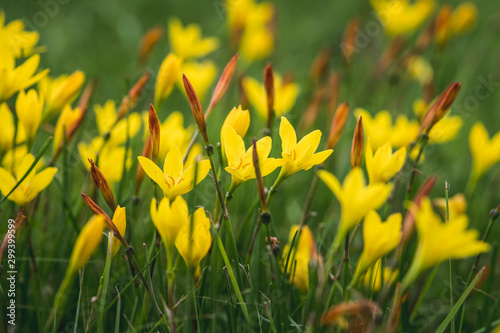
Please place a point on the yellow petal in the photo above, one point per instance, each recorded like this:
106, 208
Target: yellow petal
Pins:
288, 136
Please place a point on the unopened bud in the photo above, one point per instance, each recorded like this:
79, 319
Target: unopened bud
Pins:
319, 67
269, 86
338, 125
348, 45
223, 84
312, 111
440, 107
148, 42
102, 185
154, 130
357, 145
139, 175
129, 101
333, 93
194, 102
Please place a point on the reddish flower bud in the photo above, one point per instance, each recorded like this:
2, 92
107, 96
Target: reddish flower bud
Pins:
348, 45
102, 185
148, 42
337, 126
223, 84
269, 86
357, 145
139, 175
440, 107
312, 110
333, 93
131, 98
18, 223
194, 102
319, 67
154, 130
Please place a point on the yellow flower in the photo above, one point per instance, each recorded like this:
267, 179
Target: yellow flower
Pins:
440, 241
456, 204
379, 238
67, 118
14, 156
285, 95
383, 165
174, 180
446, 129
299, 155
29, 109
420, 69
87, 242
485, 151
19, 41
256, 43
20, 77
169, 73
373, 277
240, 162
33, 184
105, 116
7, 129
119, 133
188, 42
355, 197
60, 91
381, 131
201, 75
305, 251
120, 221
402, 16
464, 17
169, 217
194, 244
239, 120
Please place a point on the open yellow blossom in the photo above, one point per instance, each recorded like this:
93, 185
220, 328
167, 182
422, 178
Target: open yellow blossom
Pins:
201, 75
256, 43
19, 41
188, 42
457, 205
169, 73
485, 151
17, 78
87, 242
464, 17
373, 278
383, 165
305, 251
402, 16
438, 241
67, 118
15, 156
355, 197
119, 134
60, 91
193, 245
8, 129
420, 69
381, 131
300, 155
240, 162
446, 129
120, 221
105, 116
239, 120
169, 217
29, 107
285, 94
379, 238
174, 180
33, 184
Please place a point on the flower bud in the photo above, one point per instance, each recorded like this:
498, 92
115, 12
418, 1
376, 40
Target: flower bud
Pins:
18, 223
440, 107
357, 145
319, 67
194, 102
333, 93
139, 175
169, 72
442, 25
337, 126
312, 111
269, 86
148, 42
223, 84
102, 185
129, 101
348, 45
154, 130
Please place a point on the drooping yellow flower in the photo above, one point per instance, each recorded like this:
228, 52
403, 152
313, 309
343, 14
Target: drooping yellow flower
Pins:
300, 155
383, 165
174, 180
17, 78
438, 241
373, 278
402, 16
87, 242
60, 91
381, 131
29, 107
240, 162
169, 73
193, 245
169, 217
239, 120
485, 151
285, 94
420, 69
188, 42
201, 75
67, 118
457, 205
33, 184
120, 221
379, 238
446, 129
305, 251
20, 42
355, 197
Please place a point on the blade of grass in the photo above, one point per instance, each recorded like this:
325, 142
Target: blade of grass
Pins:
75, 328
